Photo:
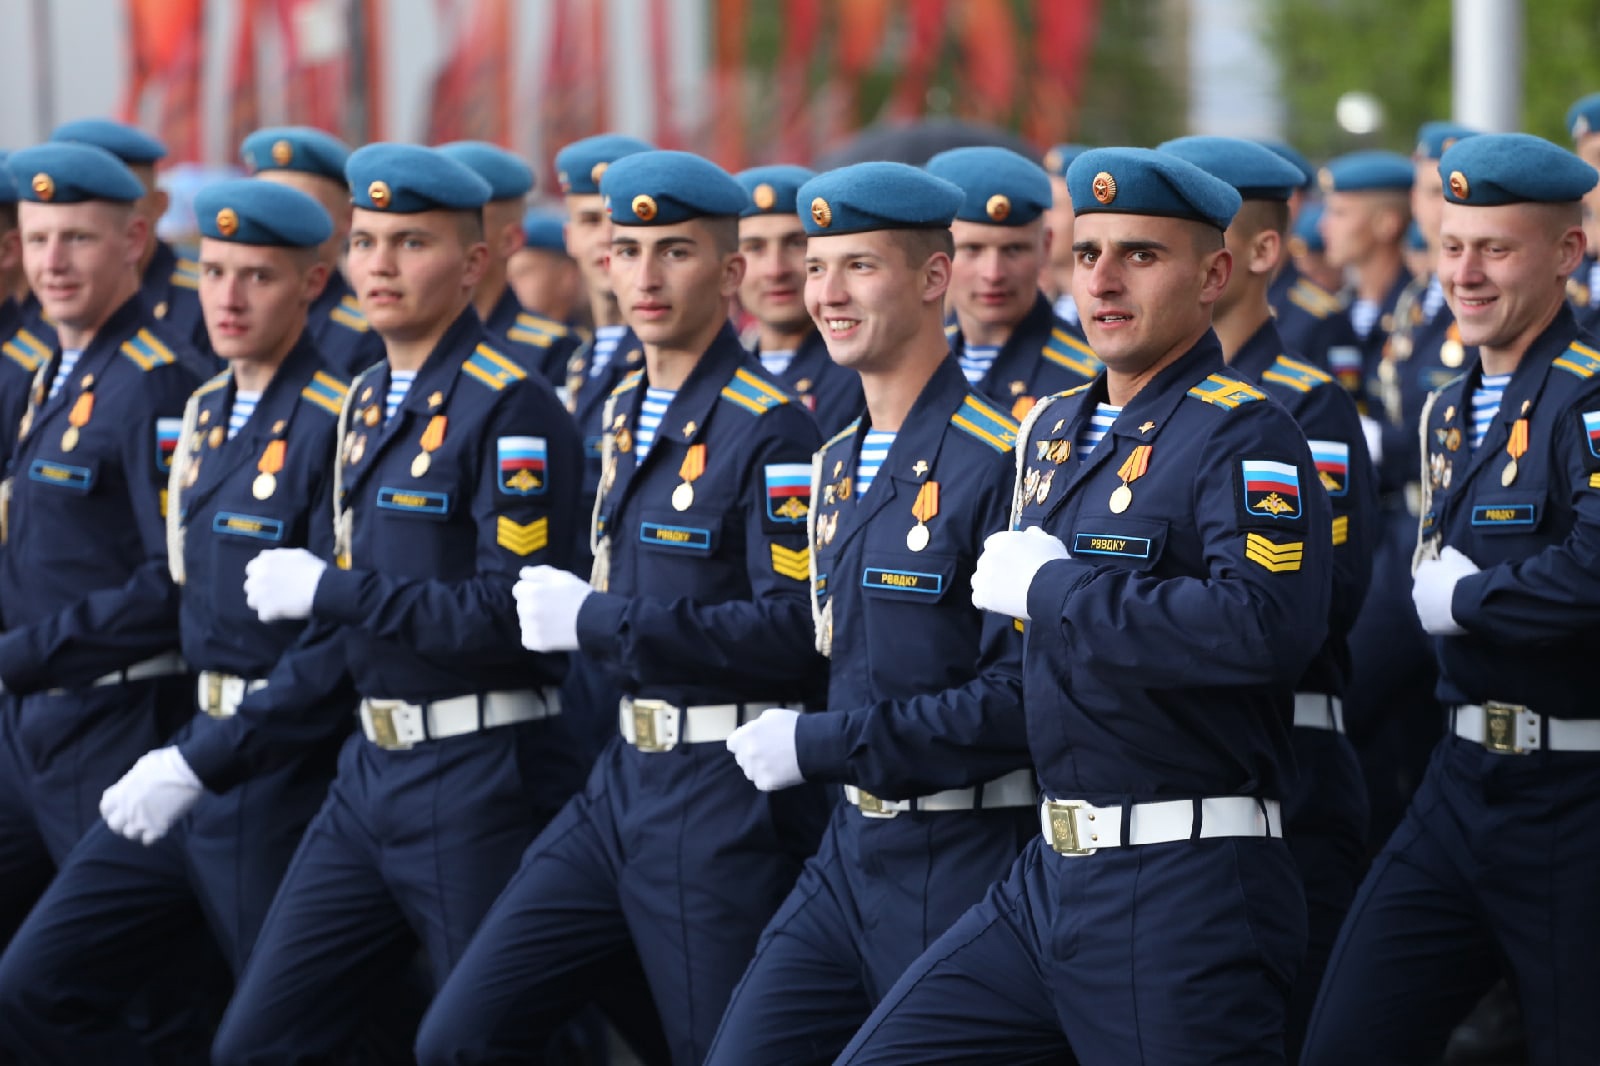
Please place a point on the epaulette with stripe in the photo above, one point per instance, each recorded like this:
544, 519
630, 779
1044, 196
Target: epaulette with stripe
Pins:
347, 312
1301, 377
1064, 349
325, 391
950, 330
213, 384
186, 274
844, 434
746, 390
1579, 360
628, 383
489, 367
146, 352
1313, 298
536, 329
1226, 392
26, 350
977, 419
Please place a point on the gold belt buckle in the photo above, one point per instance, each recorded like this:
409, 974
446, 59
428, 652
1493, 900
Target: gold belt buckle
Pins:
1500, 727
645, 736
1064, 828
873, 807
384, 733
213, 705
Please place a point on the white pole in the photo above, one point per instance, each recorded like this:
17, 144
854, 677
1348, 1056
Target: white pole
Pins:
1487, 64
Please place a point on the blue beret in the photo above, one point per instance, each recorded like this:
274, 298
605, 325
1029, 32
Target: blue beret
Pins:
509, 178
133, 146
300, 148
542, 228
409, 179
1583, 117
877, 195
999, 187
1368, 172
1288, 154
1060, 157
1434, 137
245, 211
1307, 229
772, 189
1142, 181
659, 188
1513, 168
1255, 170
67, 172
580, 164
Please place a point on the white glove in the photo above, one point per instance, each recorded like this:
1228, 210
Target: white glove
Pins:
765, 750
280, 584
158, 790
1433, 588
1007, 567
1372, 429
548, 601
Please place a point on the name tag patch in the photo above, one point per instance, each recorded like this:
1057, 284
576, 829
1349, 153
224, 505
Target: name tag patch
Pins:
414, 501
902, 581
675, 536
246, 525
67, 477
1110, 544
1510, 514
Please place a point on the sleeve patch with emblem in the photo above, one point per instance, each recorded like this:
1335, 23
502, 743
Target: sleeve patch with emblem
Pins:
1333, 465
1277, 558
522, 465
168, 430
1271, 489
522, 538
1591, 432
788, 491
792, 563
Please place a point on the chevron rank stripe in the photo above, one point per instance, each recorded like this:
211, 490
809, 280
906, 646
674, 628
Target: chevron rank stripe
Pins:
791, 563
519, 538
1276, 558
1341, 529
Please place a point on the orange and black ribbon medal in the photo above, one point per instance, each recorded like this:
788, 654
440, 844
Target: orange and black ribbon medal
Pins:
693, 465
1132, 469
271, 461
924, 508
1515, 447
82, 411
432, 437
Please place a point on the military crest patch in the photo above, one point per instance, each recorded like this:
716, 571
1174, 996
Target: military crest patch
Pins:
1271, 489
1332, 459
168, 431
788, 491
522, 465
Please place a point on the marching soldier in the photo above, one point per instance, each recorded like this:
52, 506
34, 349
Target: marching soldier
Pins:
1583, 288
544, 276
25, 340
1056, 278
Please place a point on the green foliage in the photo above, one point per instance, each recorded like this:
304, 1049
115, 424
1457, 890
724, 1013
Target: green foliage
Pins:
1135, 91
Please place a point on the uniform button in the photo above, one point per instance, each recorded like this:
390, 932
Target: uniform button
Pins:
1091, 817
1094, 836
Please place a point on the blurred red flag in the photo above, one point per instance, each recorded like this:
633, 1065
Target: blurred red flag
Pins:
164, 44
1062, 39
472, 91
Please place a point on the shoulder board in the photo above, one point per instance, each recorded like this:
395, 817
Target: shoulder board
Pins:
540, 324
347, 312
1064, 349
489, 367
26, 350
325, 391
951, 329
628, 383
1301, 377
214, 384
746, 390
530, 337
1579, 360
844, 434
1313, 300
977, 419
1226, 392
145, 351
186, 274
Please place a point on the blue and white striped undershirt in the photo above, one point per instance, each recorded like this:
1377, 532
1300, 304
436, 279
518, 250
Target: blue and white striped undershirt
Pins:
606, 339
399, 384
244, 405
1594, 283
651, 412
1095, 430
976, 360
1364, 316
69, 359
1432, 299
775, 363
1066, 309
1486, 404
874, 450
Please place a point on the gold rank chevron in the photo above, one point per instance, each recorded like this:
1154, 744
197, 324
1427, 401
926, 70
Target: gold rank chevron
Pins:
1278, 558
791, 562
520, 539
1341, 529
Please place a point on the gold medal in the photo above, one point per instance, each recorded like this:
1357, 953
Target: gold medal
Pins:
191, 473
1121, 498
917, 537
420, 464
216, 437
683, 497
1132, 469
693, 465
1516, 446
1509, 474
263, 486
69, 439
370, 416
359, 450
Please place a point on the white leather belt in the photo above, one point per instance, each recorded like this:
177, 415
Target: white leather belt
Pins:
1512, 729
396, 725
1016, 789
1072, 827
160, 666
656, 725
219, 695
1316, 710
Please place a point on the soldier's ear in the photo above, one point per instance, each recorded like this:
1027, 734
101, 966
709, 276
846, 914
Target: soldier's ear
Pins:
935, 277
